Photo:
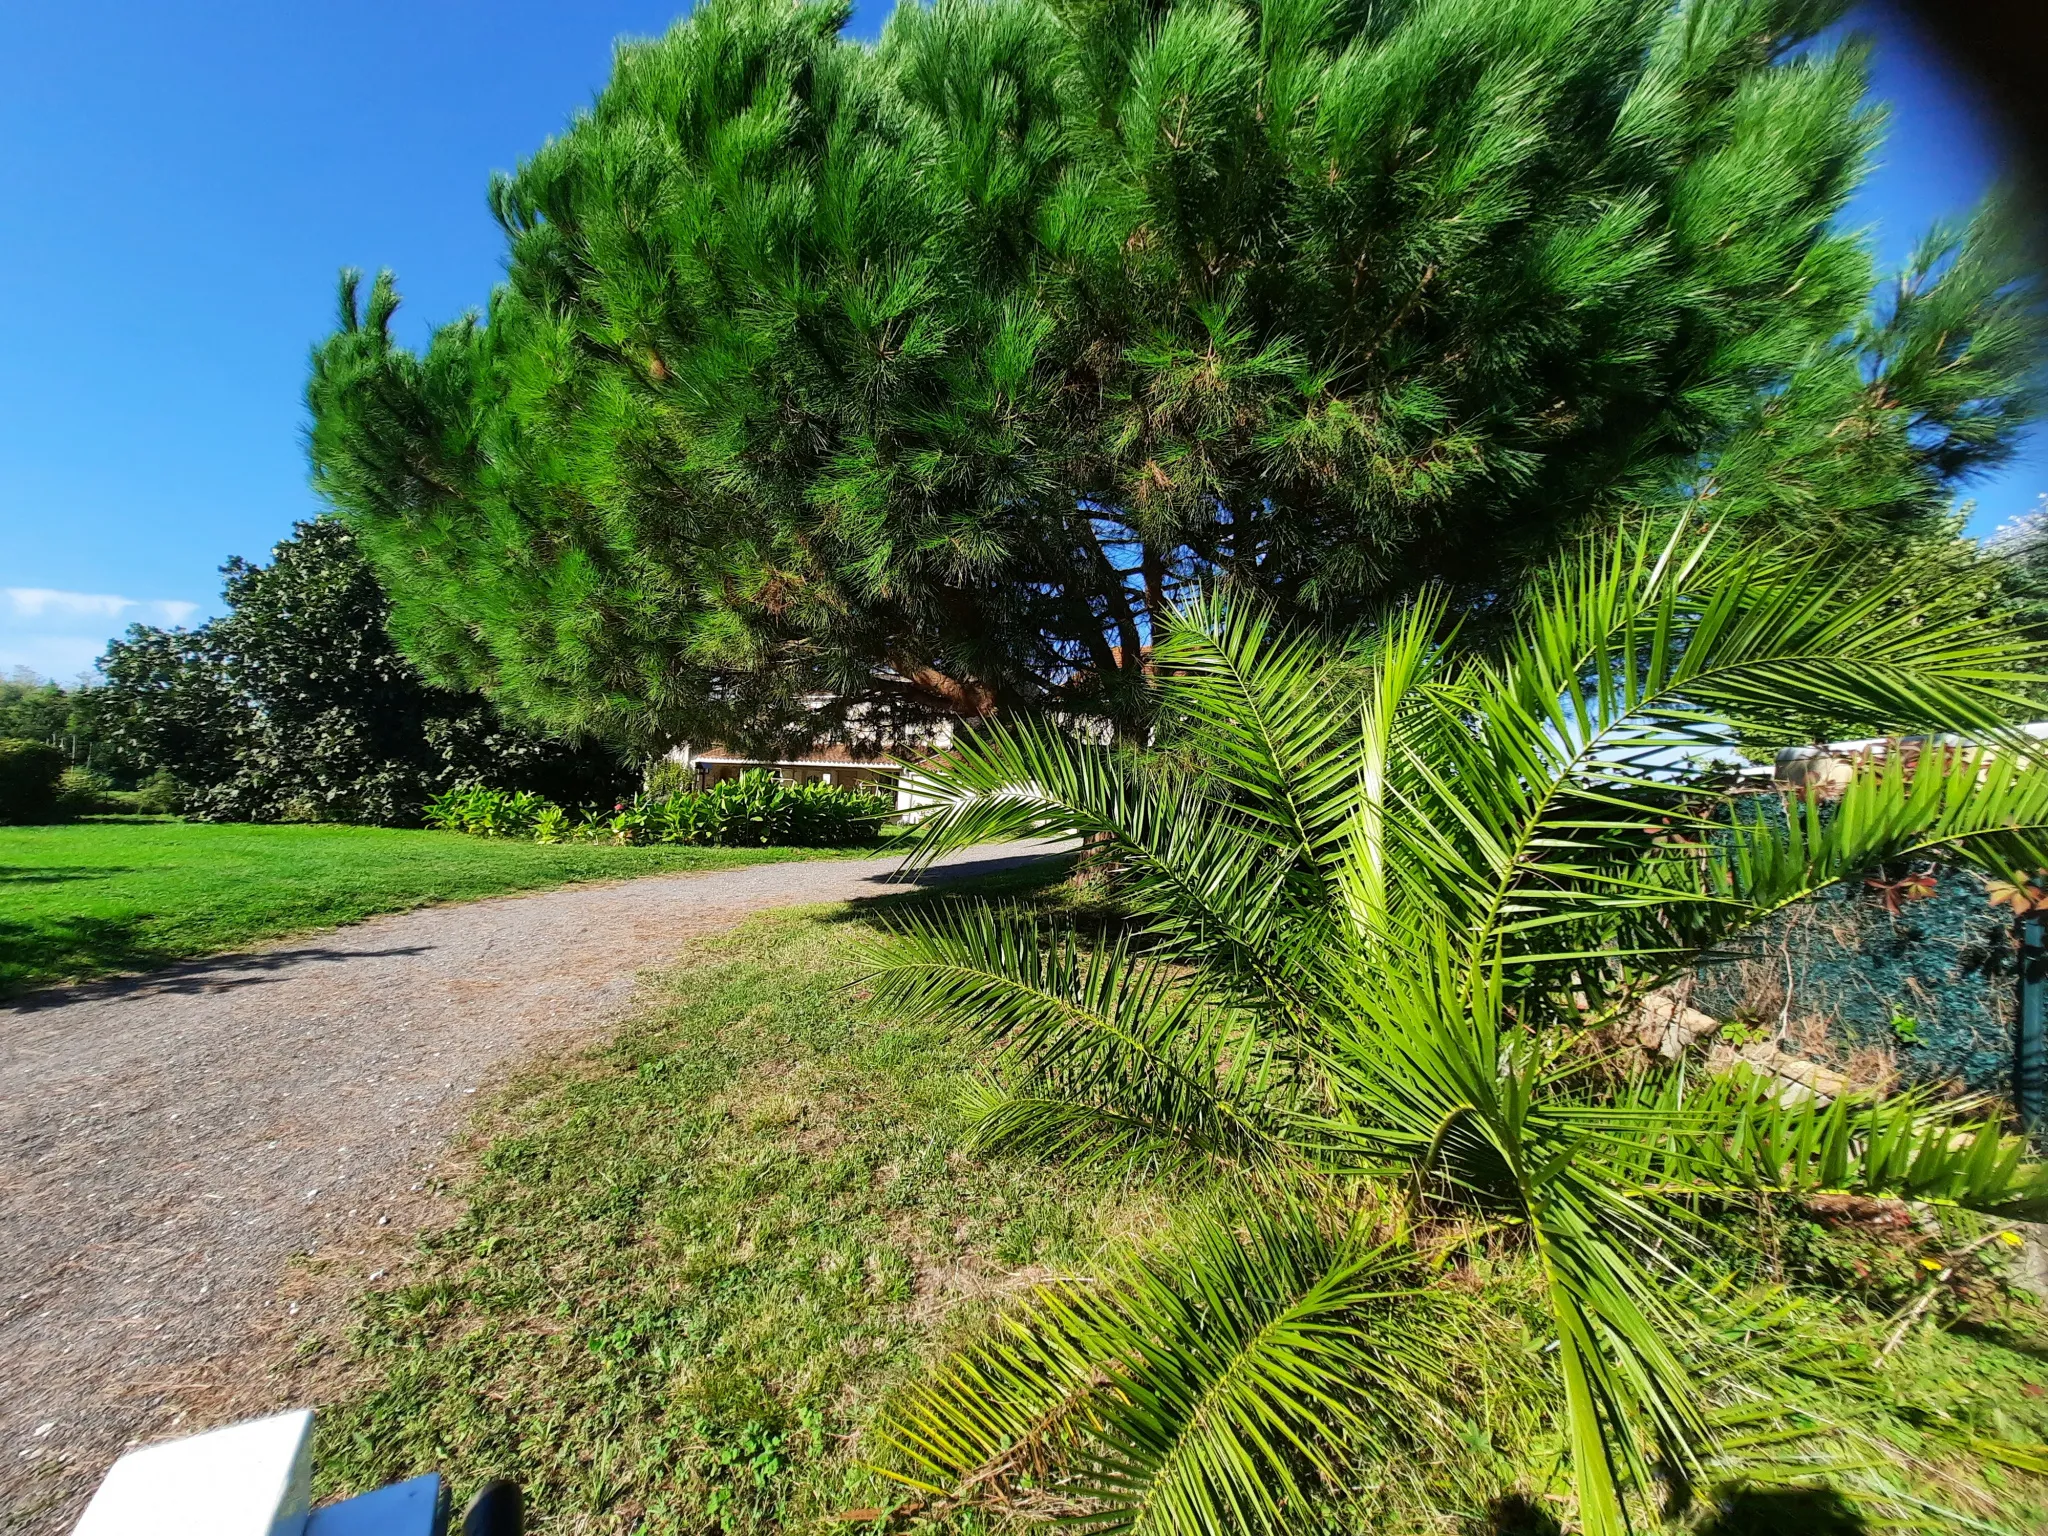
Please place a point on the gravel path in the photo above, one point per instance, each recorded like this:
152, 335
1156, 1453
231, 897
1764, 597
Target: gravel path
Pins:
168, 1145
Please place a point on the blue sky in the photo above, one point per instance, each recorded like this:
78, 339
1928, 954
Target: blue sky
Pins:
183, 181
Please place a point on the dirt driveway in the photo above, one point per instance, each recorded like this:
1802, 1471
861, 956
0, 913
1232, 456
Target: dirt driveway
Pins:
168, 1145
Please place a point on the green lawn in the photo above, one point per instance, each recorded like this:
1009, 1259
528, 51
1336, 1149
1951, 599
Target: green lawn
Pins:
128, 893
693, 1258
692, 1262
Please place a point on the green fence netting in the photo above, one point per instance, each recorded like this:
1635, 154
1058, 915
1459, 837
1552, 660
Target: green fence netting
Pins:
1915, 964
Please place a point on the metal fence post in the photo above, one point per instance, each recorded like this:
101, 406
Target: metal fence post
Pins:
2030, 1036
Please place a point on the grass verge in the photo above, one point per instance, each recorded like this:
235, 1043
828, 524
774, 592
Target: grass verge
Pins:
692, 1262
691, 1259
107, 895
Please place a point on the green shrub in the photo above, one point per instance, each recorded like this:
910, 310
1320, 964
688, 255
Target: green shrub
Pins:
163, 793
667, 777
485, 812
30, 772
625, 823
82, 792
755, 810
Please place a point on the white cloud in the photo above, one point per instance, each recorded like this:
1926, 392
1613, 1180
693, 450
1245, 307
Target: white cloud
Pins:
47, 603
62, 634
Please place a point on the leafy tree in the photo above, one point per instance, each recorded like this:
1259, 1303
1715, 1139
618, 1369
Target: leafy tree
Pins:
297, 706
939, 370
2019, 552
1383, 901
30, 772
168, 703
32, 708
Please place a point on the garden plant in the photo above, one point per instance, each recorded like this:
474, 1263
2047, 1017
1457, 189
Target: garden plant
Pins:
1379, 907
755, 810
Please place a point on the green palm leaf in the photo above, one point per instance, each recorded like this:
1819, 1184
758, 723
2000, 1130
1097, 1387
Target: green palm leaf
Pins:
1739, 1132
1096, 1048
1378, 893
1219, 1385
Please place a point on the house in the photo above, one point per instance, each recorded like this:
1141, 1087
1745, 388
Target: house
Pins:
1831, 765
839, 764
872, 756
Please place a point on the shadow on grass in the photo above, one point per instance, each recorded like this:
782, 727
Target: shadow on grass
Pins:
35, 957
1516, 1514
38, 953
1999, 1337
59, 874
1737, 1512
1784, 1512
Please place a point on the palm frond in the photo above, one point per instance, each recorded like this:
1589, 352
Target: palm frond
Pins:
1100, 1049
1376, 894
1662, 888
1221, 1385
1557, 761
1739, 1133
1201, 880
1263, 709
1432, 1073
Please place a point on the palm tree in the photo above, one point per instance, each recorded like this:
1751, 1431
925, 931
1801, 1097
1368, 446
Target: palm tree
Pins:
1383, 898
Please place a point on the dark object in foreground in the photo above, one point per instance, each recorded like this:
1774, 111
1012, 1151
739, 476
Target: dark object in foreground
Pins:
1785, 1512
419, 1507
498, 1509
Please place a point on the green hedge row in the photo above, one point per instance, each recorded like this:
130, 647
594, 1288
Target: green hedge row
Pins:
31, 781
36, 787
753, 811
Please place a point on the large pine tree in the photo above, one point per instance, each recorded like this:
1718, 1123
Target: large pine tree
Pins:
938, 367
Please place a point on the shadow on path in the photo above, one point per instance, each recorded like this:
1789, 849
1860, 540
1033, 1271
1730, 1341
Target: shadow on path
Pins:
896, 879
219, 973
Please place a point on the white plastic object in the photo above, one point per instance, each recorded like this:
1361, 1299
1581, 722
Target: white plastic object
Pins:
252, 1479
